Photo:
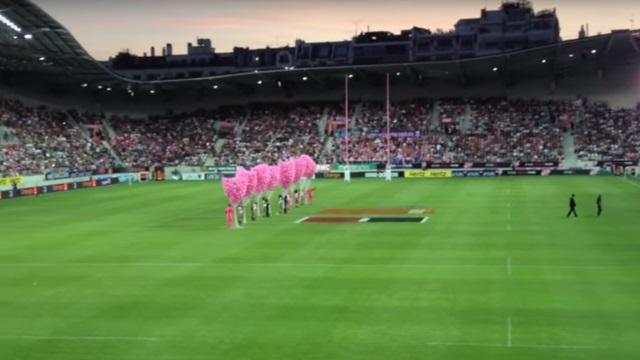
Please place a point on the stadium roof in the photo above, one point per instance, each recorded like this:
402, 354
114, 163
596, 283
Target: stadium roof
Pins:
35, 47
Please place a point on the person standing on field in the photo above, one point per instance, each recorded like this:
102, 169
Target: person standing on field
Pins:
229, 214
254, 211
572, 206
267, 207
599, 204
281, 204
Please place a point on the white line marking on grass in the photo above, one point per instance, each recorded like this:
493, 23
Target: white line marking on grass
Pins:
302, 220
529, 346
509, 266
426, 266
509, 327
577, 267
631, 182
73, 338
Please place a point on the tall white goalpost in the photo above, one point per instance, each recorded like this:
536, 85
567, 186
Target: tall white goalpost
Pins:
347, 169
387, 169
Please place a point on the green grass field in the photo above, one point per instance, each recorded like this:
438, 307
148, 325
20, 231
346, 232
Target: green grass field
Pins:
150, 272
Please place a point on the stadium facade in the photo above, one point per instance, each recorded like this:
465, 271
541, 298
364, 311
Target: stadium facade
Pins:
515, 26
43, 61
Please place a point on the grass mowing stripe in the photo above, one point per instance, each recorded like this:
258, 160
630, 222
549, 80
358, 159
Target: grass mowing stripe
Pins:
71, 338
631, 182
509, 329
156, 260
509, 265
530, 346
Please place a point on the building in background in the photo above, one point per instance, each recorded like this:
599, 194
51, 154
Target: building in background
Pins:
514, 26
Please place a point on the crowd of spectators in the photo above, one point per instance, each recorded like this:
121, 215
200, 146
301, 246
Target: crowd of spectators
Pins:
608, 134
272, 134
404, 117
487, 130
36, 140
46, 141
516, 130
164, 140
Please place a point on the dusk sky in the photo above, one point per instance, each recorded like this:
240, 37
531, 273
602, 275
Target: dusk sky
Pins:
105, 27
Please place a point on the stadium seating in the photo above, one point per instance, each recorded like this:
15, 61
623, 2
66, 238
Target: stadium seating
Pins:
606, 134
36, 140
46, 140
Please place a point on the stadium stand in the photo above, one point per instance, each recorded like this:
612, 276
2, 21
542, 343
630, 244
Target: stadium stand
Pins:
37, 140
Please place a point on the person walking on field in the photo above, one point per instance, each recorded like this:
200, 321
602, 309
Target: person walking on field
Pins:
599, 204
572, 206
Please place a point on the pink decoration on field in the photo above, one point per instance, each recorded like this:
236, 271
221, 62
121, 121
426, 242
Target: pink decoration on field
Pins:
263, 175
301, 168
253, 183
274, 178
233, 189
308, 165
244, 174
287, 173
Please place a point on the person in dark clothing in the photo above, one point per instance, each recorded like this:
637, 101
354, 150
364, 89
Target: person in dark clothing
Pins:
267, 207
287, 199
599, 205
572, 206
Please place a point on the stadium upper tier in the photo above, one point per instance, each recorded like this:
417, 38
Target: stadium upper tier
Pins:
38, 54
37, 140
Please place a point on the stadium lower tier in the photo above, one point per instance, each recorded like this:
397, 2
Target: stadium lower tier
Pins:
35, 140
